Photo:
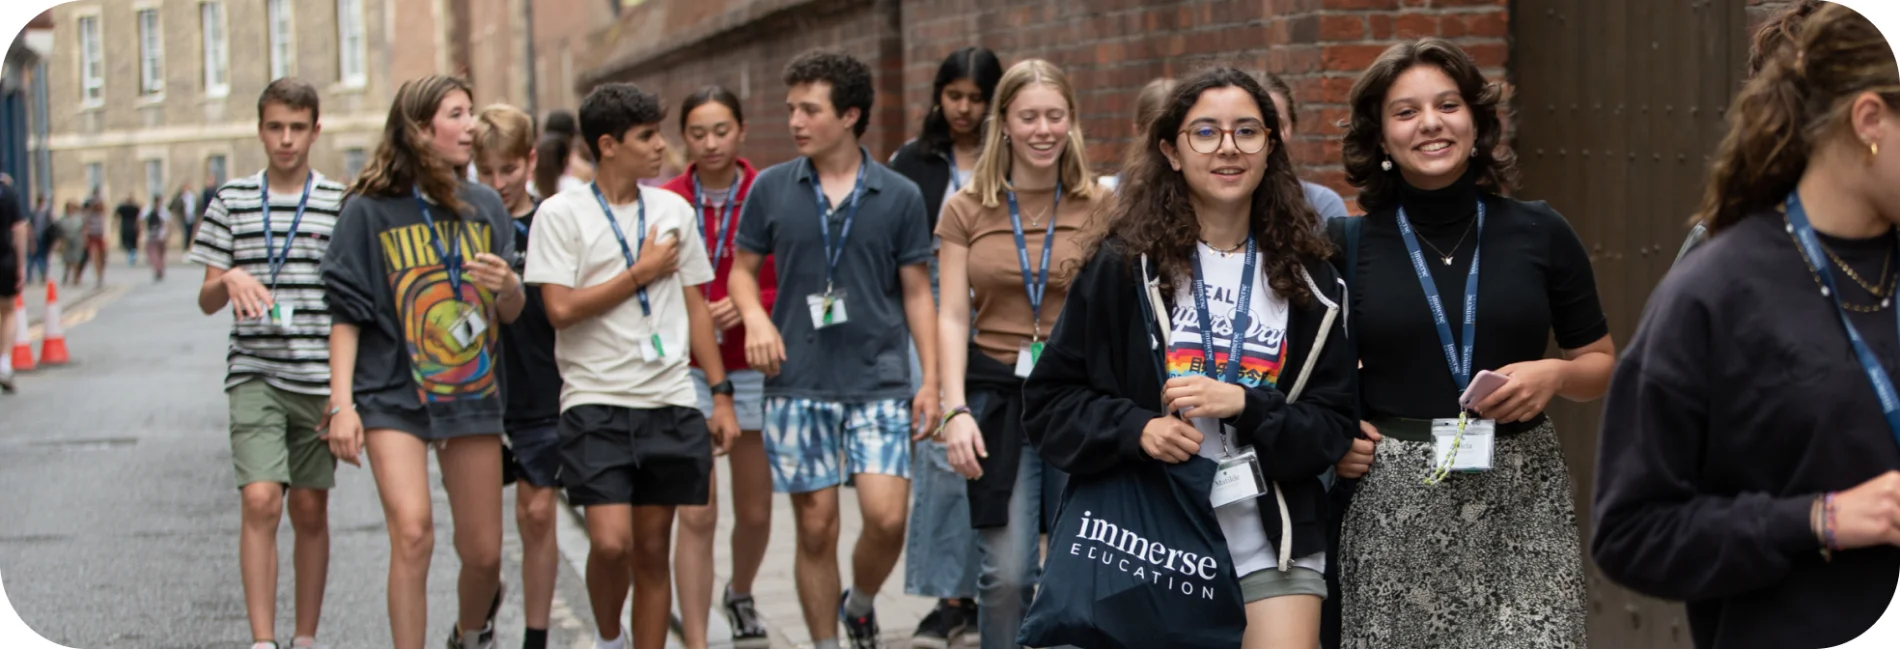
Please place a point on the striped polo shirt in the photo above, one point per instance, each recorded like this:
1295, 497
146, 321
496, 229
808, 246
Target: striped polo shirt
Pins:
231, 235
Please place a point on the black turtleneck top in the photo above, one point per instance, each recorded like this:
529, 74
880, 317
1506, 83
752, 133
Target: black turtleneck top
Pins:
1534, 279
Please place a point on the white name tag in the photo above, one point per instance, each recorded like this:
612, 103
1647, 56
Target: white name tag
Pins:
1026, 357
652, 350
1473, 448
282, 314
1238, 479
827, 310
469, 329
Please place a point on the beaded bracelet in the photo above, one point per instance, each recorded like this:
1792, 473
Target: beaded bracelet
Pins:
1817, 521
1832, 545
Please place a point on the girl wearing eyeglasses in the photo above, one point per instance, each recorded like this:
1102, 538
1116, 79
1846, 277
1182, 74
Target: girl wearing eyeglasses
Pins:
1252, 368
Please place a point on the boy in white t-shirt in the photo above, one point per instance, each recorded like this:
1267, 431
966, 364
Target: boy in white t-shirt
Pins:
619, 268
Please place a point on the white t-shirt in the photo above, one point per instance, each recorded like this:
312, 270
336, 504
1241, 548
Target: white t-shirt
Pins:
1262, 357
600, 358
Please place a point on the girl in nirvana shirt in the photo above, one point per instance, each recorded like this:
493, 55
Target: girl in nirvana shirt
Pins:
1747, 459
1212, 211
1463, 533
419, 284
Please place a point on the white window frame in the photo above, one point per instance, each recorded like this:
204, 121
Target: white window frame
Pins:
92, 63
95, 178
151, 52
351, 41
154, 171
223, 172
280, 28
214, 30
357, 157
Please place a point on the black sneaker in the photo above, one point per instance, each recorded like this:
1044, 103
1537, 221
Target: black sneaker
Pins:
862, 631
748, 631
941, 627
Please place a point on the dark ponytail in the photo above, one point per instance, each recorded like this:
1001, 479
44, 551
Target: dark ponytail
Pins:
1798, 100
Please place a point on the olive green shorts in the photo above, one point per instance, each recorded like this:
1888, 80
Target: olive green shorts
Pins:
1271, 583
274, 437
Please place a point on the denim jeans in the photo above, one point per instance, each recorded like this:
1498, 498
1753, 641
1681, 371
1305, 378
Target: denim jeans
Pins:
1011, 555
940, 548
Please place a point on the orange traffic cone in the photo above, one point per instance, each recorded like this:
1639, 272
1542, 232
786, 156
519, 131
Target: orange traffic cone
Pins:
22, 349
53, 342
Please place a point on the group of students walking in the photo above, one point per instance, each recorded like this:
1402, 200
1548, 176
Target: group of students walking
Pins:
981, 335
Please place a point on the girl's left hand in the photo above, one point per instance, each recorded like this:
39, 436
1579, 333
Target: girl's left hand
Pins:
494, 274
1199, 396
1531, 386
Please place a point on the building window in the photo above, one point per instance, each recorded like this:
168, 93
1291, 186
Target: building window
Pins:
282, 47
217, 49
353, 162
214, 169
95, 179
154, 177
349, 38
92, 74
151, 54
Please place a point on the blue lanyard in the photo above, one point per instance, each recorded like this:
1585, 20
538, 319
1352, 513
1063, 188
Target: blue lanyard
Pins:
521, 228
452, 255
640, 236
1817, 260
271, 257
1243, 317
832, 255
1037, 284
1459, 357
723, 214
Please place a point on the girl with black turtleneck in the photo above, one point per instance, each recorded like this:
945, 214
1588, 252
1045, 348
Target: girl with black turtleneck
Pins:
1481, 550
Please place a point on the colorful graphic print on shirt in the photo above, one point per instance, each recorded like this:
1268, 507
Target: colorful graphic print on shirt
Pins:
1264, 348
429, 310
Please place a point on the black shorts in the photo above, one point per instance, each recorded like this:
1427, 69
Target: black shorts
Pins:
9, 277
623, 456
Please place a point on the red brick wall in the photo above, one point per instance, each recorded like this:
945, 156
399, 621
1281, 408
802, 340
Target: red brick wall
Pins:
1109, 47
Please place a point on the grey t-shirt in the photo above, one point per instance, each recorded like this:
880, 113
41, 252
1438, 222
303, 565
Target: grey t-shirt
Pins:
1324, 200
868, 357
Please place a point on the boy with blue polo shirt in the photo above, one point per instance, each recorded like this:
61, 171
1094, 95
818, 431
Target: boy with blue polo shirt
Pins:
851, 244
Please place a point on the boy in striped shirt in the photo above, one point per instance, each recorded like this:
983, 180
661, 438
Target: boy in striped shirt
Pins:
261, 240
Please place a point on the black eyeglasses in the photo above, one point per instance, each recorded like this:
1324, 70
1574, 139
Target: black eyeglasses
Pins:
1206, 138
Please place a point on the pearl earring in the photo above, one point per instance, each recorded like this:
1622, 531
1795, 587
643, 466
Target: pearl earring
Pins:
1387, 164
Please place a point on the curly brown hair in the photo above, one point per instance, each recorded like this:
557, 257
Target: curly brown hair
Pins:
1153, 216
406, 160
1799, 100
1778, 31
1364, 147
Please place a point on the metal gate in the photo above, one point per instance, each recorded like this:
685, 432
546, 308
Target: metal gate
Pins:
1619, 104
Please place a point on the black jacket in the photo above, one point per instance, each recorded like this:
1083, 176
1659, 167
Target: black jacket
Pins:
1099, 383
931, 172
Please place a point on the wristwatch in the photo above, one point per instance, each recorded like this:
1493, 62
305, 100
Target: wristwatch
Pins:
723, 387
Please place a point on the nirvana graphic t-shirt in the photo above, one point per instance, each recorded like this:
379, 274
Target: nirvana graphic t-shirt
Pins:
1262, 357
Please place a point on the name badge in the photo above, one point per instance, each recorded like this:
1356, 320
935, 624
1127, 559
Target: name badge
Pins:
651, 350
1238, 479
469, 329
281, 314
1473, 447
1026, 357
827, 309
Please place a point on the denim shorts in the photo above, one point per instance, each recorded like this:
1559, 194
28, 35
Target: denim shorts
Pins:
748, 397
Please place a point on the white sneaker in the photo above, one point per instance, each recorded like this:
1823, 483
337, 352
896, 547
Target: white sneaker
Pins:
616, 643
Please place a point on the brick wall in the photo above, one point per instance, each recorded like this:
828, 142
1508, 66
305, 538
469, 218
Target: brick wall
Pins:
1109, 47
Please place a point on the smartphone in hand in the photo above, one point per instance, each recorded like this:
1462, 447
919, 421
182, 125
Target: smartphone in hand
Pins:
1481, 386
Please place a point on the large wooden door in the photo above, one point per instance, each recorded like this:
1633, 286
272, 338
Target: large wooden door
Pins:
1619, 104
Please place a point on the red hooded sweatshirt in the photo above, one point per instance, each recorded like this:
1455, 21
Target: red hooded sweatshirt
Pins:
733, 349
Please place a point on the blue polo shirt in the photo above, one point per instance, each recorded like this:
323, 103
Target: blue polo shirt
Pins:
868, 357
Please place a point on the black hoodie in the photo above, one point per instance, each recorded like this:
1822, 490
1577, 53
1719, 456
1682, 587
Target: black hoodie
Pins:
1098, 384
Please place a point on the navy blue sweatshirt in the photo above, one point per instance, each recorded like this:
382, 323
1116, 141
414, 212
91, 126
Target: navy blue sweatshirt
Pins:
1736, 404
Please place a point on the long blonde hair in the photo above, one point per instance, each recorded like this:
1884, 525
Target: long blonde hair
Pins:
991, 175
406, 159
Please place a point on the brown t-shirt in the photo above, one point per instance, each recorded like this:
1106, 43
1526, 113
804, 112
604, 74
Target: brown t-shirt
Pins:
1004, 320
